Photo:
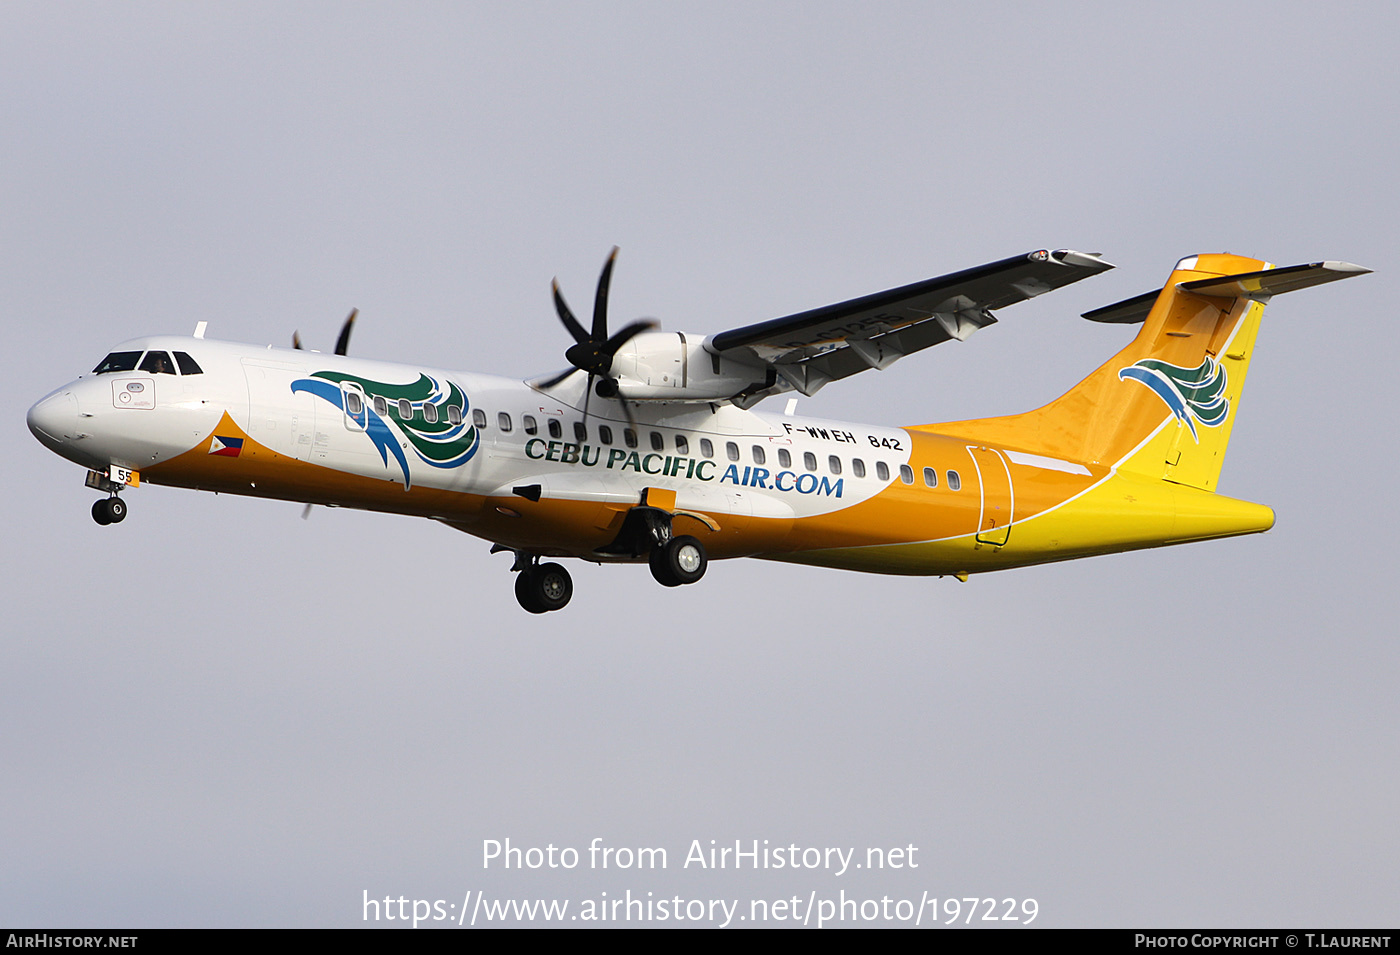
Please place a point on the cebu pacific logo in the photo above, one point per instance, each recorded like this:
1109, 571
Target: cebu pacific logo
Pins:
430, 418
1192, 394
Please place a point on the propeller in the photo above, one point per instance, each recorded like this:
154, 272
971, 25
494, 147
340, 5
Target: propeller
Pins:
593, 350
342, 344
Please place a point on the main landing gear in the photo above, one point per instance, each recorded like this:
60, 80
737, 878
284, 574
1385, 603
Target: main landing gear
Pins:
647, 531
109, 510
680, 560
674, 561
541, 588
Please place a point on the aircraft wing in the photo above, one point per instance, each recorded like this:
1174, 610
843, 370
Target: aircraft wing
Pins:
812, 348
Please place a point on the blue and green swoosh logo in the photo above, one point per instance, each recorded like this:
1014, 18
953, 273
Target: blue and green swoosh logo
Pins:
437, 442
1193, 394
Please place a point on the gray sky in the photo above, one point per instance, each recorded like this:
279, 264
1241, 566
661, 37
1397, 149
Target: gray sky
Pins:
216, 714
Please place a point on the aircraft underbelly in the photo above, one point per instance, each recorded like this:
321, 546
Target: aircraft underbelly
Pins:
1122, 512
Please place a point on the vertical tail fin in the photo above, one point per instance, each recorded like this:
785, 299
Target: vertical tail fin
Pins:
1165, 404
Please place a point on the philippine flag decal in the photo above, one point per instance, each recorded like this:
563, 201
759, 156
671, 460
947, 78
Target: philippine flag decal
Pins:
226, 446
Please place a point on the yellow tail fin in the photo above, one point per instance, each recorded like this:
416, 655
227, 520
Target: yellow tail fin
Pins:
1165, 404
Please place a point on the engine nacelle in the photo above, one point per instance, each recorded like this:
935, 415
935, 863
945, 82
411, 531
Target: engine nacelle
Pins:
674, 366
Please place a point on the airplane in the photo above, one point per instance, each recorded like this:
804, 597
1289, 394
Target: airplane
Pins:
646, 449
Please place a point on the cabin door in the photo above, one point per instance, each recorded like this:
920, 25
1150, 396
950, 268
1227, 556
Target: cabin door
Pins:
998, 499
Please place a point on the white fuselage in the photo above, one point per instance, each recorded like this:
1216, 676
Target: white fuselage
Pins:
716, 457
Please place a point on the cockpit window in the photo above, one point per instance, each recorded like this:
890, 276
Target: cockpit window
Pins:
188, 366
118, 361
158, 363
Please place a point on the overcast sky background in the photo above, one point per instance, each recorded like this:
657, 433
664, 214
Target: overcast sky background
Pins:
216, 714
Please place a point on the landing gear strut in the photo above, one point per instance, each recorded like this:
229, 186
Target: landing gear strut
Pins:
541, 588
109, 510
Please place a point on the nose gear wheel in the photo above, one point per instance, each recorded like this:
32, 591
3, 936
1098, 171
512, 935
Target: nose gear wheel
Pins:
109, 510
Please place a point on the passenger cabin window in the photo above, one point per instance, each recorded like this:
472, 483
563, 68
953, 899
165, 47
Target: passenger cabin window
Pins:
809, 460
478, 418
758, 456
906, 474
954, 481
556, 430
430, 413
857, 467
381, 406
353, 404
604, 434
531, 427
188, 366
406, 410
930, 477
682, 445
732, 450
658, 443
882, 471
629, 437
454, 414
503, 421
580, 432
784, 458
707, 448
834, 463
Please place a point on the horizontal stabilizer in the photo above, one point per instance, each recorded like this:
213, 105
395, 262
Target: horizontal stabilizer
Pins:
1130, 311
1259, 286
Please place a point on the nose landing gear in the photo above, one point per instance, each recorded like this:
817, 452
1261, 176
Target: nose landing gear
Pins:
109, 510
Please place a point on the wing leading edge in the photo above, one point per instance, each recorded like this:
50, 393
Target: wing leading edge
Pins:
810, 349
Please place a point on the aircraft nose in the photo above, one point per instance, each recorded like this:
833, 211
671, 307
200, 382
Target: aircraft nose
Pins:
54, 420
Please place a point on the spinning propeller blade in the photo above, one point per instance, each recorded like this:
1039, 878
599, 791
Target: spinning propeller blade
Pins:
343, 342
593, 351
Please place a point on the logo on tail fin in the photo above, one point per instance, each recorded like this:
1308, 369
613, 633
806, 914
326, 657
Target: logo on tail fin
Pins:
1192, 394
